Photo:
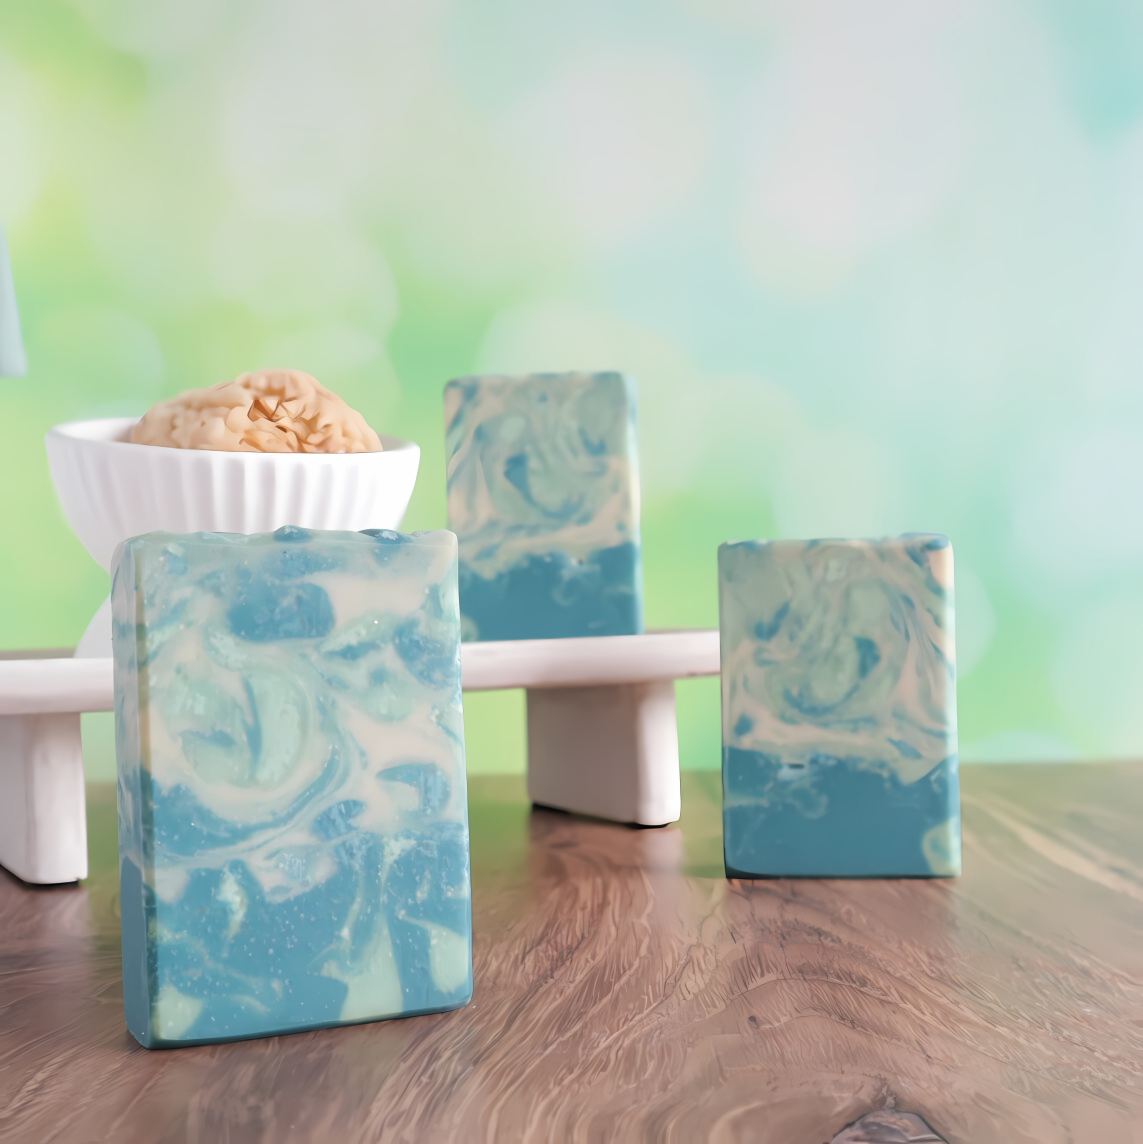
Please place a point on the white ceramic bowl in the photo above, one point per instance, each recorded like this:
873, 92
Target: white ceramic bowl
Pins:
111, 489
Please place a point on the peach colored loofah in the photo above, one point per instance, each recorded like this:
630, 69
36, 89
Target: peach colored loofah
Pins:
268, 411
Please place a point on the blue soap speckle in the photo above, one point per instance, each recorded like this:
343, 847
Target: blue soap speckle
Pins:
291, 534
768, 629
516, 474
296, 563
868, 657
839, 708
429, 650
175, 563
338, 819
286, 862
267, 608
213, 582
215, 738
543, 496
354, 651
906, 749
426, 778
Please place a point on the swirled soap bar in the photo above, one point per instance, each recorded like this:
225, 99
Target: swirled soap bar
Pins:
543, 494
839, 708
293, 827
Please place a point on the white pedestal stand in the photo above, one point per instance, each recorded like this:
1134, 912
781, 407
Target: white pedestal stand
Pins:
611, 752
43, 825
602, 738
43, 820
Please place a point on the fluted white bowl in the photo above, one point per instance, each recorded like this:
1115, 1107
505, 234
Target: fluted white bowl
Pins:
112, 489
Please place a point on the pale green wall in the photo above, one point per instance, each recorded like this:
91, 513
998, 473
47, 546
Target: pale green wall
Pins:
877, 267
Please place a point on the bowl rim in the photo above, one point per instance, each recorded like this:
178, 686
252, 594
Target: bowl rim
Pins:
109, 431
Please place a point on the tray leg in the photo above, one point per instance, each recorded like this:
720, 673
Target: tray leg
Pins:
611, 752
43, 811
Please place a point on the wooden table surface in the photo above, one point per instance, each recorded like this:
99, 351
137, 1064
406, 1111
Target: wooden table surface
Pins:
626, 991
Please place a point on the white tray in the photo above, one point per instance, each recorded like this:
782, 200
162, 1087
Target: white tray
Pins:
602, 738
44, 682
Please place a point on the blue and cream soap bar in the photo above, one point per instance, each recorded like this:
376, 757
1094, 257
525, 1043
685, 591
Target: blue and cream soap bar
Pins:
543, 495
839, 708
293, 825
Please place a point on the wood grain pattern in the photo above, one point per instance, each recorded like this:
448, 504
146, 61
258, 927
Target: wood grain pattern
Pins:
626, 991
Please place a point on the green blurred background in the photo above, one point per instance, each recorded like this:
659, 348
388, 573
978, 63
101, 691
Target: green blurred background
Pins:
877, 267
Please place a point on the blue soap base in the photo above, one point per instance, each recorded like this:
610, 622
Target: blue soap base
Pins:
292, 805
543, 494
839, 709
885, 830
558, 596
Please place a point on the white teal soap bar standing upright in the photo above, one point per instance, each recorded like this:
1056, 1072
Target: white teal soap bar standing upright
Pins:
543, 494
839, 708
293, 825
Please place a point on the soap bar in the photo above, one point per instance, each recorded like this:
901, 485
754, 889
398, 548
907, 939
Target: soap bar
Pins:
543, 494
293, 824
839, 708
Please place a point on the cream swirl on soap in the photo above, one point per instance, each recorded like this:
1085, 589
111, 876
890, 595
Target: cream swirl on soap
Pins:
840, 648
267, 411
541, 463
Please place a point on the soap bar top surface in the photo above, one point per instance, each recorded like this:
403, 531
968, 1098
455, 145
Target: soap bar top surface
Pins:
543, 494
293, 812
839, 706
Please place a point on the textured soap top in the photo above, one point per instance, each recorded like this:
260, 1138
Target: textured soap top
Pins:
543, 494
293, 816
839, 696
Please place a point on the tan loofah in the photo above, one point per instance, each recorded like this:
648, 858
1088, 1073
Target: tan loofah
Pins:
268, 411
